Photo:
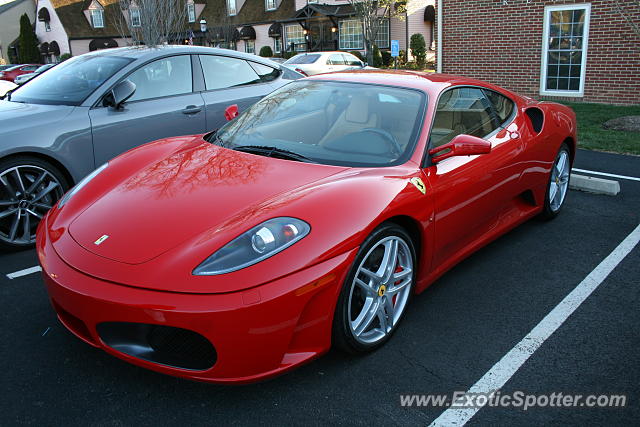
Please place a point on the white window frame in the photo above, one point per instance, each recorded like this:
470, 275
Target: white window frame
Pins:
303, 38
270, 4
342, 46
387, 30
545, 49
232, 7
251, 43
277, 45
191, 12
137, 13
47, 26
98, 12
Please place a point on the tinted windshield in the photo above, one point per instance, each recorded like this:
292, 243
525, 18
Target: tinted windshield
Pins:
70, 82
348, 124
303, 59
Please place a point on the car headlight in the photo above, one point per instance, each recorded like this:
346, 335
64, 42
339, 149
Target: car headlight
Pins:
255, 245
81, 184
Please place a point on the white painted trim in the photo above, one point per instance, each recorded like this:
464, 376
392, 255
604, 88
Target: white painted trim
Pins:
439, 47
545, 53
611, 175
24, 272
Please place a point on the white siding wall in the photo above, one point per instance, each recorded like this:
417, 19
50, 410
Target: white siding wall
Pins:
57, 32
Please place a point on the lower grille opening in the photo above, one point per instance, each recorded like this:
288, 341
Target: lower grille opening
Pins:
166, 345
74, 324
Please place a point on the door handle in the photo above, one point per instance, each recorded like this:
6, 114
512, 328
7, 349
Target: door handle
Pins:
191, 109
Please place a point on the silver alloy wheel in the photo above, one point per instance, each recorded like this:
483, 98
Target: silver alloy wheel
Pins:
559, 181
380, 290
27, 192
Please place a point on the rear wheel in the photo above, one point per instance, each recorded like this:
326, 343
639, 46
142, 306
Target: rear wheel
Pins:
558, 184
29, 187
377, 290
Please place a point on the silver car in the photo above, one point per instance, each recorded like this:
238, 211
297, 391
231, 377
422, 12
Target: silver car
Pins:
324, 62
23, 78
57, 128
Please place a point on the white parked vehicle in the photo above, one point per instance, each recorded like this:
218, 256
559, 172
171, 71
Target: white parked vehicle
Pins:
6, 86
310, 63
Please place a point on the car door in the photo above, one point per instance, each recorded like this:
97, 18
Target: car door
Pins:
463, 187
163, 105
336, 62
351, 62
229, 81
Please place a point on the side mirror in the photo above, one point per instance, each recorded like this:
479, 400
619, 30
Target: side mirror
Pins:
364, 64
119, 94
461, 145
231, 112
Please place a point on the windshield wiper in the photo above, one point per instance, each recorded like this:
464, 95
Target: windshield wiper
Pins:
273, 152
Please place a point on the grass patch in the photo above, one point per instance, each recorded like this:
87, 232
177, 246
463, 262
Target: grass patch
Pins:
592, 136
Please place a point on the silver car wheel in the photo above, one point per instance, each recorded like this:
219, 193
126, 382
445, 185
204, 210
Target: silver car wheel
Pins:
380, 290
559, 181
27, 192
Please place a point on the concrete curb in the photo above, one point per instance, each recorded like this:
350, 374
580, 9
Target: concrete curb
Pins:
594, 185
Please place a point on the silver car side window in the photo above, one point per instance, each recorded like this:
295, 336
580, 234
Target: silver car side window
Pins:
163, 77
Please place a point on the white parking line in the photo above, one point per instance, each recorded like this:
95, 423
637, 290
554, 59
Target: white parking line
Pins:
502, 371
24, 272
612, 175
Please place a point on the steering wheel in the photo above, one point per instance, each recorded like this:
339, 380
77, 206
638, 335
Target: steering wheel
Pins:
389, 138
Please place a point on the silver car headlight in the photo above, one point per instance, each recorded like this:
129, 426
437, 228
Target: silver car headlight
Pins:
255, 245
81, 184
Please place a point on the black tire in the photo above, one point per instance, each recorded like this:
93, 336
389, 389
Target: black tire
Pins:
548, 211
343, 336
27, 170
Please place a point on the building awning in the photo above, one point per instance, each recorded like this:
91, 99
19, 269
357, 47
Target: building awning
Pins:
275, 30
43, 15
224, 33
429, 14
44, 48
97, 44
54, 49
247, 33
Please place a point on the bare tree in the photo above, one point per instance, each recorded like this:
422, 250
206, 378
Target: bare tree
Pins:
152, 22
371, 13
630, 11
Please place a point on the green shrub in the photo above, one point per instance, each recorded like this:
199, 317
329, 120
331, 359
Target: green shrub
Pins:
377, 57
419, 49
358, 54
64, 57
402, 58
28, 51
289, 54
266, 52
387, 60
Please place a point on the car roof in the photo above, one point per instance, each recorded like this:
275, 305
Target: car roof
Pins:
145, 52
429, 82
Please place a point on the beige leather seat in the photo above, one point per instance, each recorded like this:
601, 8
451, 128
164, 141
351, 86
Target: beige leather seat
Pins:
353, 119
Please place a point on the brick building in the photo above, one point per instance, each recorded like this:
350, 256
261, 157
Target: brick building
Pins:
546, 49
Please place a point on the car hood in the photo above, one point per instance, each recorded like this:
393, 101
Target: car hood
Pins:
169, 201
17, 115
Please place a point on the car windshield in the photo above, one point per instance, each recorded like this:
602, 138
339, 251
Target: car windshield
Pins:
70, 82
336, 123
303, 58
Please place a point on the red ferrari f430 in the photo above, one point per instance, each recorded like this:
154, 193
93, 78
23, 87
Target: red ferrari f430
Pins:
309, 220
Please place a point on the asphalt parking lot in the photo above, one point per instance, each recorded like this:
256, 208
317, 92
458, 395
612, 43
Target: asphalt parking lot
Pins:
452, 335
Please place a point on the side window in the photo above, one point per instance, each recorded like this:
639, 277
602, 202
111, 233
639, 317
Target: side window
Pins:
265, 72
223, 72
351, 60
462, 111
336, 59
164, 77
502, 105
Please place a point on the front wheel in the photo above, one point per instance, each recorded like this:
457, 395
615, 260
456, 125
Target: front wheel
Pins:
558, 183
377, 290
29, 187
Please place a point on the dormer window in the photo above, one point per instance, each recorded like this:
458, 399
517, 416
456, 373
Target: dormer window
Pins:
270, 4
231, 7
97, 18
134, 16
191, 12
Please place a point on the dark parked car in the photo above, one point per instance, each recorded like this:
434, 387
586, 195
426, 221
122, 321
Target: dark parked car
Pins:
11, 73
59, 127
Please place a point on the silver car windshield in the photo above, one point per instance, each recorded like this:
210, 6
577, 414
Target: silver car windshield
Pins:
328, 122
70, 82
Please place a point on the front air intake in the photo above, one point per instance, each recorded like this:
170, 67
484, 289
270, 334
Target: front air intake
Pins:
165, 345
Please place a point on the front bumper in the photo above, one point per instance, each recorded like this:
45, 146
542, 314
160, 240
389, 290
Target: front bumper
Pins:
256, 333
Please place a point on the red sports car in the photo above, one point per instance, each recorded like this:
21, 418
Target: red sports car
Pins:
308, 221
11, 73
